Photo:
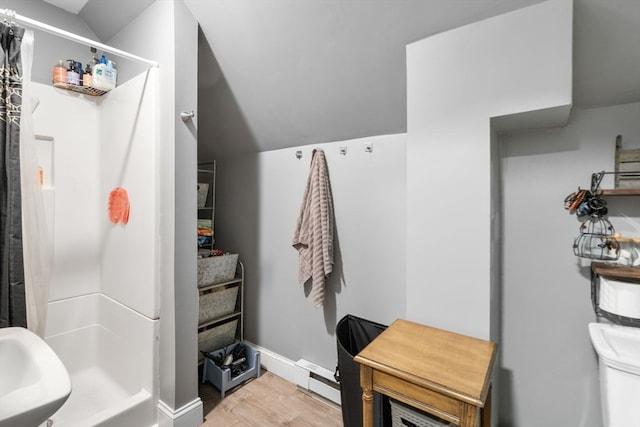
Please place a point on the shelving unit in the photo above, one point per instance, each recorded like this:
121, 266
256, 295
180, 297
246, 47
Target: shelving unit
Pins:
221, 317
87, 90
619, 192
625, 274
615, 271
618, 272
207, 201
221, 301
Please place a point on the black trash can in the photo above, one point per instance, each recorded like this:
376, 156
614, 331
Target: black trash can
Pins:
354, 334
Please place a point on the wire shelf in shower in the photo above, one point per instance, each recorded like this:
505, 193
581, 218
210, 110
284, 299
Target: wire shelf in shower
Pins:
87, 90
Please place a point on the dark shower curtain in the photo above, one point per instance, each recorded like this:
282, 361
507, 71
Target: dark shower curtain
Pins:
12, 285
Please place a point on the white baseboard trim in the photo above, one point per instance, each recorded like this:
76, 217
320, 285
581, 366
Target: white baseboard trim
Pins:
189, 415
279, 365
298, 373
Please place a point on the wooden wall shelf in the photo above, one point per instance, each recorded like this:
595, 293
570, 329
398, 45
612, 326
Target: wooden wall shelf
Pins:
620, 272
619, 192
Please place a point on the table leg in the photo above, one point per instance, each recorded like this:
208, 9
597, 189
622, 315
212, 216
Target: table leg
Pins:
366, 382
486, 410
468, 415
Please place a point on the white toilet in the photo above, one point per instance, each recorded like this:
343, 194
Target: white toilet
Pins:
618, 349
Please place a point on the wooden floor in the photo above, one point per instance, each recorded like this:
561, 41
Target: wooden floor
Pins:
268, 401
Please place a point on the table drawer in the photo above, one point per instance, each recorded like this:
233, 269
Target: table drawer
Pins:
430, 401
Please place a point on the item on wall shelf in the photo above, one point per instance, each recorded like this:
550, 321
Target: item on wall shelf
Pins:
627, 166
98, 77
119, 205
585, 203
104, 74
597, 236
629, 251
618, 297
59, 72
87, 77
597, 240
203, 192
87, 90
614, 293
206, 200
73, 76
205, 236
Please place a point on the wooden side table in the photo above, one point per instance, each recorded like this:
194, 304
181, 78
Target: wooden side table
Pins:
436, 371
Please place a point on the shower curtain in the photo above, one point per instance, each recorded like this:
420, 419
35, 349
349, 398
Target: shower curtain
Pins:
13, 309
26, 248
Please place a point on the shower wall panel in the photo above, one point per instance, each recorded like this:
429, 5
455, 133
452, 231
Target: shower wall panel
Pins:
71, 120
129, 159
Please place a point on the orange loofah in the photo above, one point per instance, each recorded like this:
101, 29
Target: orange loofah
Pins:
119, 205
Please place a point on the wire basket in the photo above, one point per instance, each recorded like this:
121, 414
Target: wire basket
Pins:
597, 240
403, 416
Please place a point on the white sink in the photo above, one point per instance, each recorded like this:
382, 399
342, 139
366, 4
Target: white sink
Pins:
33, 381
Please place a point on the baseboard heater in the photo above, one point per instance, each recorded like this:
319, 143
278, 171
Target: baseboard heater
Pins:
317, 380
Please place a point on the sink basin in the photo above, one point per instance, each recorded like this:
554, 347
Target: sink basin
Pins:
33, 381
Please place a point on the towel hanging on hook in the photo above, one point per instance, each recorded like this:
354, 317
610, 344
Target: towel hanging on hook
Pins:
314, 234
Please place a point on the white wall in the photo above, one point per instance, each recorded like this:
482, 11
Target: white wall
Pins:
258, 200
79, 208
549, 373
457, 81
167, 33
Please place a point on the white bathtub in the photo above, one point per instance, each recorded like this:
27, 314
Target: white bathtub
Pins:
110, 352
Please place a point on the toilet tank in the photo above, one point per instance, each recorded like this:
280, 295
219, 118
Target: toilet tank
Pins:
618, 349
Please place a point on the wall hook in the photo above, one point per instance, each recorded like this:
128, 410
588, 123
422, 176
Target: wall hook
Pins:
298, 154
187, 115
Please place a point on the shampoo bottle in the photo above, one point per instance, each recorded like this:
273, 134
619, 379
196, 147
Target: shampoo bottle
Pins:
80, 73
72, 73
87, 77
59, 72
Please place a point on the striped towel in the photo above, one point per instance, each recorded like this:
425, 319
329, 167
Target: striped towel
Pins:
313, 238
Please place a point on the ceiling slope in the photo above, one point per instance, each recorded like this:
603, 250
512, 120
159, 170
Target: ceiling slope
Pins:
283, 73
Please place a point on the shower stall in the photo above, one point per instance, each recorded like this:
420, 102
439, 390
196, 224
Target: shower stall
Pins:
122, 307
103, 310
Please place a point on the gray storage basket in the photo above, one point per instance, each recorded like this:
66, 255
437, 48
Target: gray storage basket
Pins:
405, 416
221, 377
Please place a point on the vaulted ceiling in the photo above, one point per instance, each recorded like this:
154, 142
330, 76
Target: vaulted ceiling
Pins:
282, 73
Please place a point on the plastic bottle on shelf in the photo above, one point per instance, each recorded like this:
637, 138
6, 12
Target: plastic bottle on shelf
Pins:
99, 81
59, 72
110, 74
104, 74
87, 77
80, 72
73, 77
